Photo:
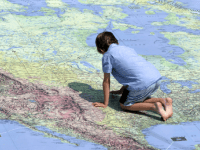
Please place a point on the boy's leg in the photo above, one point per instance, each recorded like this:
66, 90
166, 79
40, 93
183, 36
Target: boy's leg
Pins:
166, 102
157, 106
152, 104
153, 100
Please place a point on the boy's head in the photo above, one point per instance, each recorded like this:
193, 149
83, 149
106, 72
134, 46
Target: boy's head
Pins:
104, 40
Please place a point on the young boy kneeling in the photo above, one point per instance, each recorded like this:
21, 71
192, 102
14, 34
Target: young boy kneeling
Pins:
140, 78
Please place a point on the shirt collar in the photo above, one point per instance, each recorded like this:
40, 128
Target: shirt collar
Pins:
112, 45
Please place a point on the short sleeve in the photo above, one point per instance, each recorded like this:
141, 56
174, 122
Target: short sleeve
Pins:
107, 64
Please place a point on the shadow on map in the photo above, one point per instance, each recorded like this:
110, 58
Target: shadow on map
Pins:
93, 95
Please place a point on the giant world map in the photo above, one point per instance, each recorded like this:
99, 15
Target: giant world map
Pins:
51, 73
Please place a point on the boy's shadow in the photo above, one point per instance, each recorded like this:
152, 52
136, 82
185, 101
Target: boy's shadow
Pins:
93, 95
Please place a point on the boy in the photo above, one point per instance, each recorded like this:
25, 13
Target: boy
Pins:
139, 77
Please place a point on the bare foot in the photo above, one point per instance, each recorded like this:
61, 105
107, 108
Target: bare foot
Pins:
159, 109
169, 109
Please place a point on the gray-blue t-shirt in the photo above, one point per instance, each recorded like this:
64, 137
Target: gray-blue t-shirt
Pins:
128, 68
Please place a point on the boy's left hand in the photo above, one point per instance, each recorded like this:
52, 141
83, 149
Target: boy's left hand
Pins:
96, 104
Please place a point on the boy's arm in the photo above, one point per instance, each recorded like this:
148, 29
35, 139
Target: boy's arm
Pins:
106, 89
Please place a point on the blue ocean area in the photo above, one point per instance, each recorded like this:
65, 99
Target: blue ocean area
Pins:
183, 83
191, 4
182, 136
15, 136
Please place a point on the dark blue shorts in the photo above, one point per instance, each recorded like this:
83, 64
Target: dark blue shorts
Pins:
129, 98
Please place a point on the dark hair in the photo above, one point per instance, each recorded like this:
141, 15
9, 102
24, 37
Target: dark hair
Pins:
104, 40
